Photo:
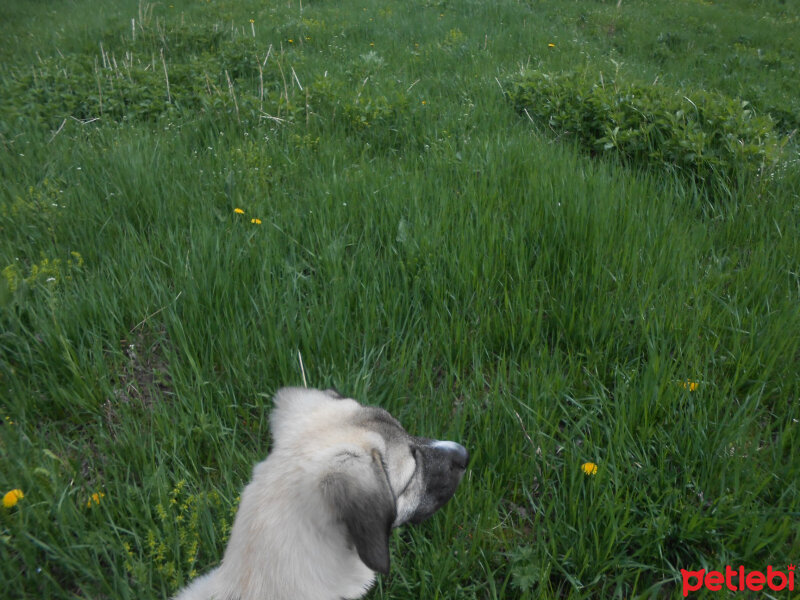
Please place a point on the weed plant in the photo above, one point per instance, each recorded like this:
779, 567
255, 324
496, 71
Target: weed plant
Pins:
195, 194
717, 142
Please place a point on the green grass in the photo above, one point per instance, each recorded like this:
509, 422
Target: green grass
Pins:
425, 247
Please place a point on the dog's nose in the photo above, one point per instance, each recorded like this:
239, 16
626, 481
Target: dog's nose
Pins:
460, 457
457, 454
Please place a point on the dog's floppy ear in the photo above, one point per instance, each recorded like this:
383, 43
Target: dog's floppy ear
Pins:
361, 497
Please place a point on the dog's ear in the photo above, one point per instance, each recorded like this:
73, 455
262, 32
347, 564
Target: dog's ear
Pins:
361, 497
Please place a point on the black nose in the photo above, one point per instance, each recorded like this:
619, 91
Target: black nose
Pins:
456, 453
461, 457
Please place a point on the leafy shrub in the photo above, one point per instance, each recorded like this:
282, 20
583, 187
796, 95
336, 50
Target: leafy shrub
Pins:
182, 71
370, 109
718, 142
185, 71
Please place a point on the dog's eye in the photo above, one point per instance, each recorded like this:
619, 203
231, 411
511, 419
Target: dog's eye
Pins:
410, 469
416, 455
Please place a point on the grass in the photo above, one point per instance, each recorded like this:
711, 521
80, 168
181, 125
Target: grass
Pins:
424, 246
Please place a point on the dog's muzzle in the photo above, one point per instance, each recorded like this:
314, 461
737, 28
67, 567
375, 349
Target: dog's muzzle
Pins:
443, 465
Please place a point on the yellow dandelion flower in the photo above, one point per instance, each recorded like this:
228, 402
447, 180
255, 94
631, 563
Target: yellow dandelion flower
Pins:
690, 385
252, 20
11, 498
256, 221
95, 499
589, 468
551, 45
291, 41
238, 211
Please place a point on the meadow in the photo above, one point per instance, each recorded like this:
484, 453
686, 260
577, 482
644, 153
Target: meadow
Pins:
565, 233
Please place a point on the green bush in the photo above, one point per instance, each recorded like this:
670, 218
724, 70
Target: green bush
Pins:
717, 141
193, 70
185, 72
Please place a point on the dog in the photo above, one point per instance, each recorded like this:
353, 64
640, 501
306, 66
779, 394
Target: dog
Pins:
315, 520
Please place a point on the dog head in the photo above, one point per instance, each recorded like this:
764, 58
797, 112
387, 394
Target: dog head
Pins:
371, 474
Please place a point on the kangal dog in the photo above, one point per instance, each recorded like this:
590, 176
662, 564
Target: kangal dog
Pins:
315, 520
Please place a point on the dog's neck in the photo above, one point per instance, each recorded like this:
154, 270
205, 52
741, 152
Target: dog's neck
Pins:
293, 551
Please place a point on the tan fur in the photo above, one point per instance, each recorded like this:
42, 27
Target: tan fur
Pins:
290, 539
